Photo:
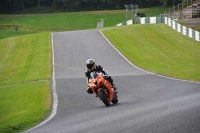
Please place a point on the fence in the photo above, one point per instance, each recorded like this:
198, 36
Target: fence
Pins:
183, 10
131, 10
150, 20
183, 29
144, 20
176, 26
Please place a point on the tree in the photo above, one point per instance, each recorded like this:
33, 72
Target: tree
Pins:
16, 4
38, 3
165, 2
44, 2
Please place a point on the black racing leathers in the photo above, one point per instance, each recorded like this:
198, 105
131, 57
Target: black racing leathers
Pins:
97, 68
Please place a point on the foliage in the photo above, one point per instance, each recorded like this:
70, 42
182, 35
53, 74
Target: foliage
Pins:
75, 5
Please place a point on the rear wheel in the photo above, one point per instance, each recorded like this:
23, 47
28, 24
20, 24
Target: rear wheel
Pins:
104, 98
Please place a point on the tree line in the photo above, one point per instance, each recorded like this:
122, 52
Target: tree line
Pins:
79, 5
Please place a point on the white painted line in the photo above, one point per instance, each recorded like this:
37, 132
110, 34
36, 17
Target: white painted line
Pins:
140, 68
55, 97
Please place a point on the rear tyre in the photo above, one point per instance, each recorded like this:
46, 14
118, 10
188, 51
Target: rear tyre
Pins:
104, 98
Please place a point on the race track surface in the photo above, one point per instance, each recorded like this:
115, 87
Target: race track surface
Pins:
147, 103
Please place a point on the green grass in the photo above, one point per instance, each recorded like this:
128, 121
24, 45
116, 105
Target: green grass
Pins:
158, 48
24, 62
61, 21
70, 20
25, 58
153, 11
24, 105
12, 33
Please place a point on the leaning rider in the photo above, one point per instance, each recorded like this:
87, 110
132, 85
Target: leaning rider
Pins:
91, 66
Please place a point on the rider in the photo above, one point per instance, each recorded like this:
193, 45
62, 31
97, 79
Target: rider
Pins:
91, 66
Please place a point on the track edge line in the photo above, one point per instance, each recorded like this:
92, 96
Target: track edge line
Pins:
54, 94
140, 68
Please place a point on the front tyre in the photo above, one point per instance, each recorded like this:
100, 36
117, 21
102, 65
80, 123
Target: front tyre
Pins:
104, 98
115, 99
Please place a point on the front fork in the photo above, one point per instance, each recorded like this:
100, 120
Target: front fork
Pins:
100, 89
109, 93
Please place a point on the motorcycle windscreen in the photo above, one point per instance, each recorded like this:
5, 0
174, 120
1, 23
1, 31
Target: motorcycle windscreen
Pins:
94, 75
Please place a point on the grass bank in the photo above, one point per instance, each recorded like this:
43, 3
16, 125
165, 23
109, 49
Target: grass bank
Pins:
159, 49
24, 105
25, 57
13, 33
70, 20
25, 65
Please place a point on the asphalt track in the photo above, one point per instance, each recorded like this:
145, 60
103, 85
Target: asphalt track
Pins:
148, 103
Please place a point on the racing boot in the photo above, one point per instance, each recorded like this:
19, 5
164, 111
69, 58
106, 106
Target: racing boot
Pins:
114, 87
89, 91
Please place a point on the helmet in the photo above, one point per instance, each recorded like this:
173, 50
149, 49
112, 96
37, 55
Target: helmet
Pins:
90, 64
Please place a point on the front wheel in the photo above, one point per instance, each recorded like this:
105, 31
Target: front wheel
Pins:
115, 99
104, 98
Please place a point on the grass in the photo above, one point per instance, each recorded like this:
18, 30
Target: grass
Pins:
24, 62
25, 57
13, 33
24, 105
69, 20
61, 21
159, 49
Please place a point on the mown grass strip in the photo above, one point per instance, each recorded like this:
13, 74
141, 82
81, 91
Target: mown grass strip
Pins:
159, 49
25, 58
12, 33
24, 105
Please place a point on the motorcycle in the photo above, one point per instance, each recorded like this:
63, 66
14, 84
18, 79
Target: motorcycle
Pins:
102, 88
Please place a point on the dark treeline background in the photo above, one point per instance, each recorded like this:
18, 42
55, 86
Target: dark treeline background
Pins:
17, 6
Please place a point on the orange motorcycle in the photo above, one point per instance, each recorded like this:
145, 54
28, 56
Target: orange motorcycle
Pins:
102, 88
